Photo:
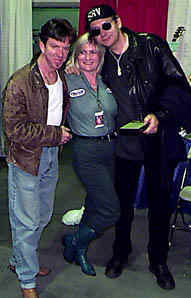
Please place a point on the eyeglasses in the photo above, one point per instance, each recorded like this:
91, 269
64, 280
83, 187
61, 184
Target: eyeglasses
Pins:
96, 31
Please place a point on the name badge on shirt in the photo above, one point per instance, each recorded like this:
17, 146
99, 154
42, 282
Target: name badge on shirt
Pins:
77, 92
99, 119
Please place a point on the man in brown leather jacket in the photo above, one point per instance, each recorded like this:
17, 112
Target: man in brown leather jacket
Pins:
35, 103
150, 87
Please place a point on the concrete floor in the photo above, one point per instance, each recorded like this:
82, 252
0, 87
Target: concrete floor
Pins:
67, 280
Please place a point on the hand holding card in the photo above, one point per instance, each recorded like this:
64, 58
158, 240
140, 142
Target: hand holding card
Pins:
133, 128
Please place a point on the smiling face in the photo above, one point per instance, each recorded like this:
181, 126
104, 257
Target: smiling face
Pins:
107, 37
55, 52
88, 58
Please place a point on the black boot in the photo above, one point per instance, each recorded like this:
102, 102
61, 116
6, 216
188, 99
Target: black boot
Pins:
158, 266
163, 276
76, 248
121, 249
86, 235
70, 242
115, 267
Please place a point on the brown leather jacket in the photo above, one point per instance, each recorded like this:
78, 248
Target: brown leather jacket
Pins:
25, 108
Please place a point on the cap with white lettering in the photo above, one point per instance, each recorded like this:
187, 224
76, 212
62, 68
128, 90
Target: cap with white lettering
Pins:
99, 12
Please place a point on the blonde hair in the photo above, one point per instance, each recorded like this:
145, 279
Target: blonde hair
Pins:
83, 39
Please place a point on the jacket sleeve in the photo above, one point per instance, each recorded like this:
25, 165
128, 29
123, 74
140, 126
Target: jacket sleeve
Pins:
18, 125
66, 101
174, 97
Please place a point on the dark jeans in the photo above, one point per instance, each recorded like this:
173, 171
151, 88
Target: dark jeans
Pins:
93, 161
159, 210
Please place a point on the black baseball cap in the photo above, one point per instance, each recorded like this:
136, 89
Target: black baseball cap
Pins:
99, 12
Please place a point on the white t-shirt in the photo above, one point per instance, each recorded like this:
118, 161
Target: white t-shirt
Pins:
55, 102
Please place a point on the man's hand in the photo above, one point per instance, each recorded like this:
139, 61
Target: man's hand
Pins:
66, 136
153, 122
71, 69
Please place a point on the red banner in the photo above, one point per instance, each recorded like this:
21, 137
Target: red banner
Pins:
144, 16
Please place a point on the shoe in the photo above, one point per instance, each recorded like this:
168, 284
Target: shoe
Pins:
29, 293
42, 272
75, 248
70, 242
164, 278
81, 259
115, 267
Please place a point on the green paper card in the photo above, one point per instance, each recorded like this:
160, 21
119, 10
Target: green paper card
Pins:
133, 125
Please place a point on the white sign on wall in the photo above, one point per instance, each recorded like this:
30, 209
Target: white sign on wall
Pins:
179, 16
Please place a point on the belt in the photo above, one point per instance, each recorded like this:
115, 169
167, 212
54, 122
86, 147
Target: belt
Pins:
107, 137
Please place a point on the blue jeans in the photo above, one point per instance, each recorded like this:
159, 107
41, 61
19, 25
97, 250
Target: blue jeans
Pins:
31, 200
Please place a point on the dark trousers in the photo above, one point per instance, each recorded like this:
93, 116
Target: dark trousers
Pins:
93, 161
159, 210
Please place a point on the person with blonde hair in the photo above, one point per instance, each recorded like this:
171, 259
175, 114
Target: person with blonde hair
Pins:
91, 118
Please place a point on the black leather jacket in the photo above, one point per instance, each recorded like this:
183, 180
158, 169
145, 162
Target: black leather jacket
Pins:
155, 82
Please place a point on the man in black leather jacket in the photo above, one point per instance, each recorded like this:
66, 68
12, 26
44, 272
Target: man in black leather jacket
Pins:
150, 87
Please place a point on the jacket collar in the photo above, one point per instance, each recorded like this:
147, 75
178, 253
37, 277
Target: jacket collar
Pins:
135, 50
36, 77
